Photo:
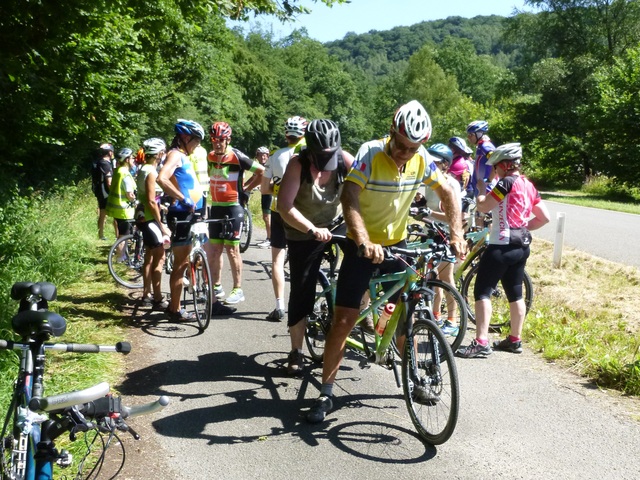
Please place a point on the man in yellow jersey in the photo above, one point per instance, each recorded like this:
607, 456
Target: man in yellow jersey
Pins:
376, 198
294, 129
201, 165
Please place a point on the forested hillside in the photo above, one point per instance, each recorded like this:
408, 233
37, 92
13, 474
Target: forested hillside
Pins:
564, 82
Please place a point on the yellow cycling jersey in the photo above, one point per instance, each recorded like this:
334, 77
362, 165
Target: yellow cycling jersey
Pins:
387, 193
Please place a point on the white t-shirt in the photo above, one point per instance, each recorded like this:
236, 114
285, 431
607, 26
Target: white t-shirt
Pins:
276, 166
433, 201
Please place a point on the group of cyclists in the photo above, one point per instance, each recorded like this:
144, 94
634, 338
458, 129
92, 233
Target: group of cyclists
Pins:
311, 182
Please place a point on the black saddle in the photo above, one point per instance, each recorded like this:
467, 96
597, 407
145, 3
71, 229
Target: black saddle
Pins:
38, 324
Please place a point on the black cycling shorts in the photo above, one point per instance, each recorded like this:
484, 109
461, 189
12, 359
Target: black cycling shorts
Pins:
278, 238
151, 234
102, 203
503, 263
305, 258
217, 229
124, 226
356, 272
265, 203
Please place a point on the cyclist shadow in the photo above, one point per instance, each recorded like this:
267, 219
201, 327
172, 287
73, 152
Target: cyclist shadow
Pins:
256, 388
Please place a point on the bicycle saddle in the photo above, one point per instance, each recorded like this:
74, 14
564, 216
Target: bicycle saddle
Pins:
32, 323
21, 290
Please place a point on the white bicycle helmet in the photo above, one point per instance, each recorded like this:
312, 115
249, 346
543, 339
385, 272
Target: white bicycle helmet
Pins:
412, 121
262, 150
124, 153
508, 151
153, 146
295, 126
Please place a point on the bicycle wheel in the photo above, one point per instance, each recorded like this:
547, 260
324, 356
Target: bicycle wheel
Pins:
168, 261
201, 289
430, 383
319, 322
452, 309
247, 230
499, 303
126, 260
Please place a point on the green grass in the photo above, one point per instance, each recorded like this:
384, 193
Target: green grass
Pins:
586, 317
593, 201
600, 192
54, 238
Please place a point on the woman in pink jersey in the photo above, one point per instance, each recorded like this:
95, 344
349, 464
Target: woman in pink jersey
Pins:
516, 208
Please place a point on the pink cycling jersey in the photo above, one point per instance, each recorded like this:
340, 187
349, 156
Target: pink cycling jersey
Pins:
516, 198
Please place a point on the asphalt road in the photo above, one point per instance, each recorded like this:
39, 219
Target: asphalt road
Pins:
235, 414
610, 235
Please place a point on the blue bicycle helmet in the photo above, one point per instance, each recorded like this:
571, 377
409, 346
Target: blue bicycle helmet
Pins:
441, 152
459, 144
189, 127
478, 126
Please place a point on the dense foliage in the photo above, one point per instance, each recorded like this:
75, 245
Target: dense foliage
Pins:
563, 81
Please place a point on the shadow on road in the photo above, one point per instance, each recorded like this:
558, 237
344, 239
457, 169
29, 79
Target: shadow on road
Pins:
237, 388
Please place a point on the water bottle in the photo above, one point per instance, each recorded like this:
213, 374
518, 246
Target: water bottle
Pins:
384, 318
166, 242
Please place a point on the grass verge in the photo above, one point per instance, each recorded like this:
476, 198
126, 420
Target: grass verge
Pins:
586, 316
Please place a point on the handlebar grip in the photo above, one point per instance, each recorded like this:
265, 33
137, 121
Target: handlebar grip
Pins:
146, 409
69, 399
120, 347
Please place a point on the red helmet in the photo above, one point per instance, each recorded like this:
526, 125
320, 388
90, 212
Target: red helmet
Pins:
220, 130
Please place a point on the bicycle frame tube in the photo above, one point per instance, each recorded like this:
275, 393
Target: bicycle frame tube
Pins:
480, 239
402, 281
26, 465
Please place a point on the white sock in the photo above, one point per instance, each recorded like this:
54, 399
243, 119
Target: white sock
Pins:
279, 304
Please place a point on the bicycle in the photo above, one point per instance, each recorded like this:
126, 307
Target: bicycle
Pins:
126, 259
428, 370
466, 272
197, 278
246, 230
33, 422
447, 302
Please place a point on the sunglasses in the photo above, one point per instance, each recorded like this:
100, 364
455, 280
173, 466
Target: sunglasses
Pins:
403, 148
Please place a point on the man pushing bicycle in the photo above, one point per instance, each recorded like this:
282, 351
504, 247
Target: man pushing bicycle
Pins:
377, 194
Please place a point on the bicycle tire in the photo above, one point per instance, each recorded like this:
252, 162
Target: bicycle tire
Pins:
168, 261
499, 303
431, 358
450, 300
127, 270
319, 322
201, 288
246, 231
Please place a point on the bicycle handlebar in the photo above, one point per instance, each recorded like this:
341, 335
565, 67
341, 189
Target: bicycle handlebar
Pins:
68, 399
390, 252
146, 409
120, 347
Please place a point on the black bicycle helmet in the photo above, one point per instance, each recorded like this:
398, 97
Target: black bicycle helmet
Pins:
323, 141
